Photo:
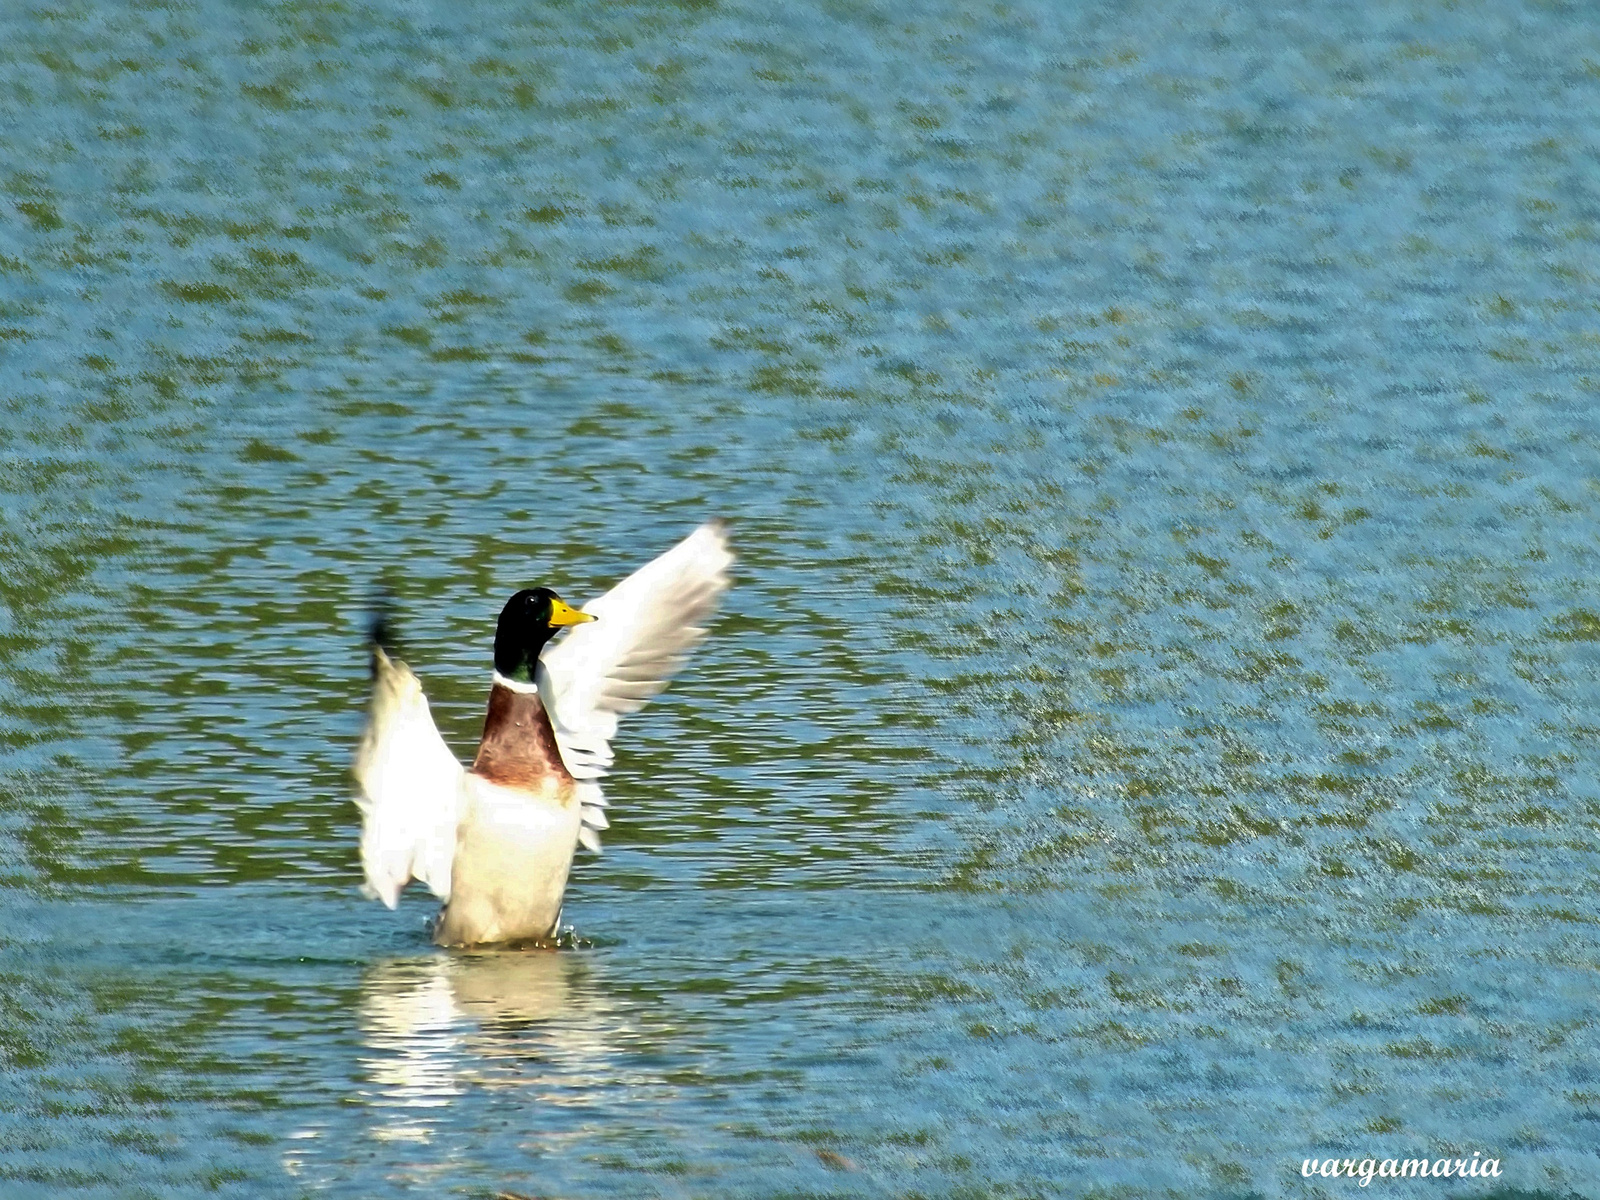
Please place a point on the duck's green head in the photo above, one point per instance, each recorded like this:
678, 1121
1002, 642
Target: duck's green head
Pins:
529, 620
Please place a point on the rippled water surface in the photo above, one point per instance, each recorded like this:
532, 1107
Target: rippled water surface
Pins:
1151, 739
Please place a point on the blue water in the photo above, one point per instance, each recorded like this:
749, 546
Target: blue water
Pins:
1151, 739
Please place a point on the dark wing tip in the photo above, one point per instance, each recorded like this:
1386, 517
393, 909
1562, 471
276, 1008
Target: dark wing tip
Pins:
721, 528
381, 622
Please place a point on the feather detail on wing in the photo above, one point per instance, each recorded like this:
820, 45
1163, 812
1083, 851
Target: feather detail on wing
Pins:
644, 630
592, 814
408, 788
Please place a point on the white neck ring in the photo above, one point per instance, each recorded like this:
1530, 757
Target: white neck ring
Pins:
515, 685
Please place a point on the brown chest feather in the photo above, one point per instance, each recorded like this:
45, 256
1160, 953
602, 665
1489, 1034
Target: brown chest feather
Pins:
518, 747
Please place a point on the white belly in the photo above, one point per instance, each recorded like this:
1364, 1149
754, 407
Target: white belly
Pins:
513, 852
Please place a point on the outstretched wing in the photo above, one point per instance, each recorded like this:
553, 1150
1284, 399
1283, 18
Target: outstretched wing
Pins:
408, 788
644, 630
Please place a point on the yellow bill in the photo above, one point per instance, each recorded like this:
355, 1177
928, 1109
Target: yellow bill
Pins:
562, 613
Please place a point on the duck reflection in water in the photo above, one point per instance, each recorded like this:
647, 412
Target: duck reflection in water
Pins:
435, 1026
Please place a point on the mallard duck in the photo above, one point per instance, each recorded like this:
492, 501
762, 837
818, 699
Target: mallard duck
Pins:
495, 841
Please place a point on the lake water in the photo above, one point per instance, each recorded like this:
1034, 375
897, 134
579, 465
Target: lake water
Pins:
1152, 737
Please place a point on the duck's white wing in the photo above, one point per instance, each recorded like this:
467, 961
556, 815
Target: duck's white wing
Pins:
408, 787
643, 632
